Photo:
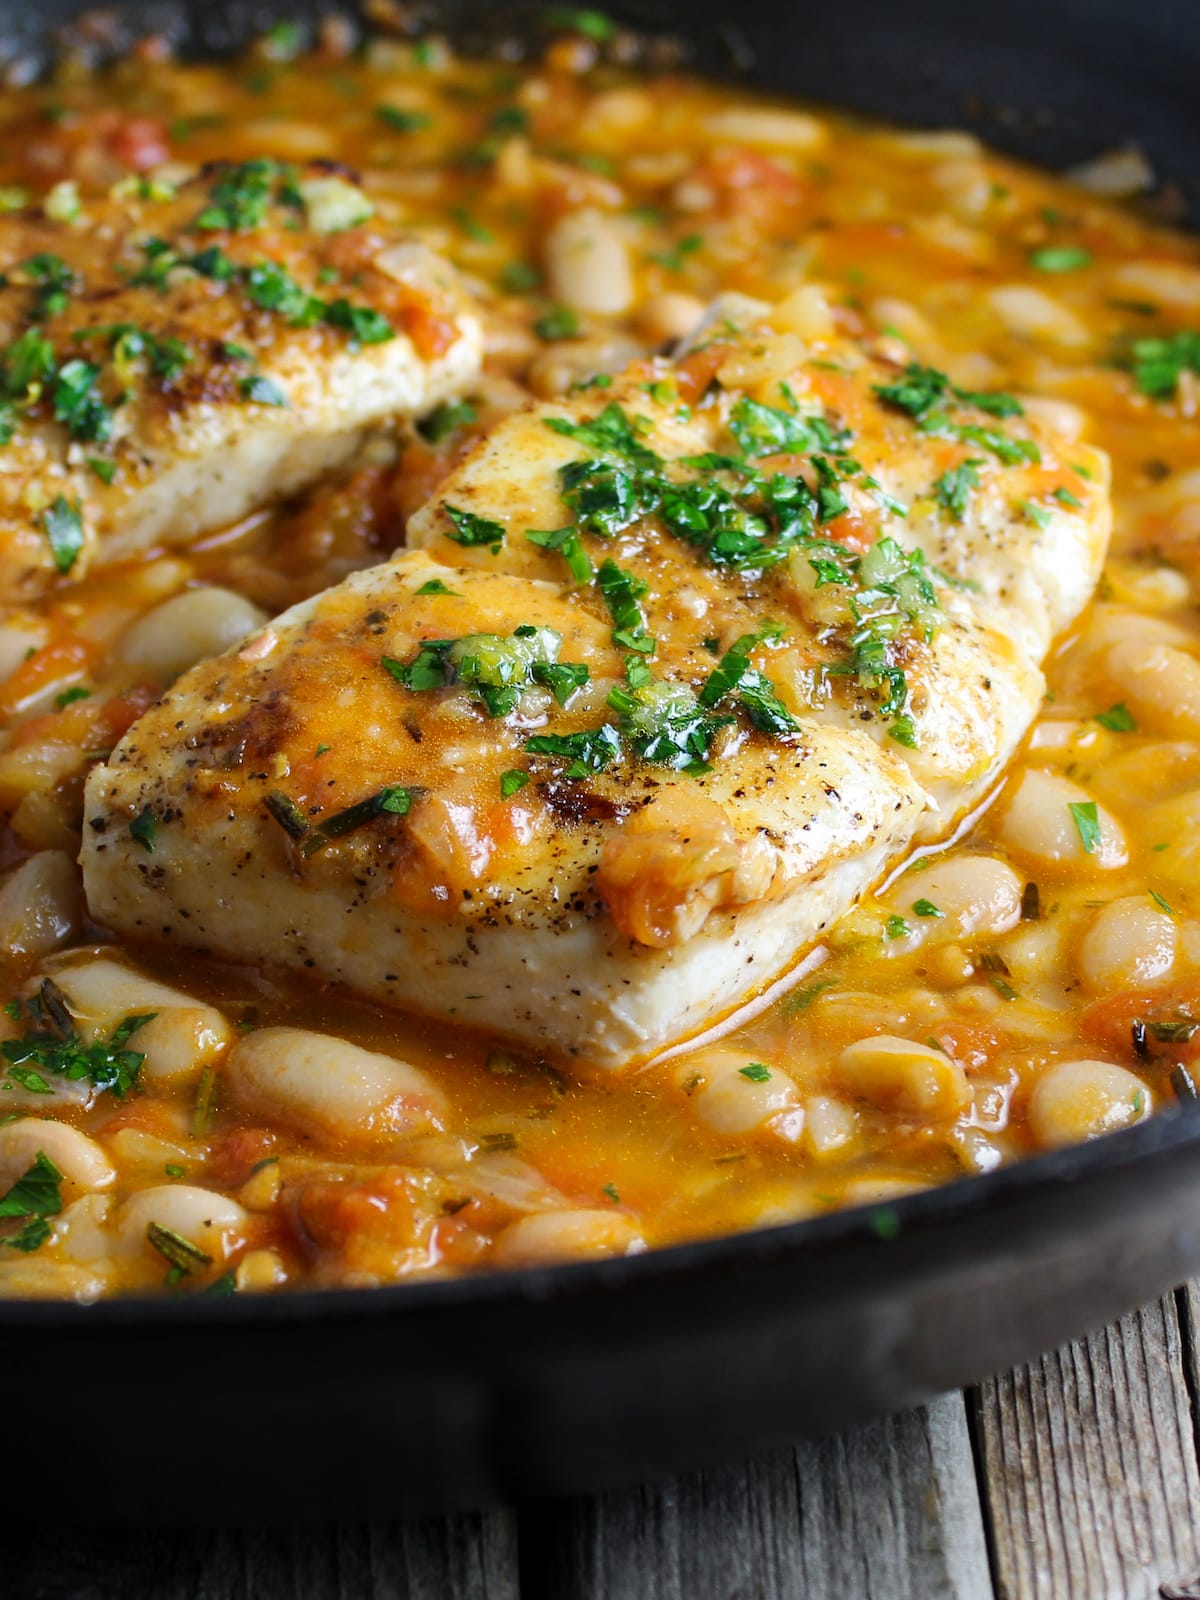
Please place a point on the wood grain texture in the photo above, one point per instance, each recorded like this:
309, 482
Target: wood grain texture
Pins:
451, 1558
1089, 1464
887, 1512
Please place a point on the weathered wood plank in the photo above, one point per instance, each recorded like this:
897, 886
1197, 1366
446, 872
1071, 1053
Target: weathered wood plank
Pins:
887, 1512
453, 1558
1089, 1466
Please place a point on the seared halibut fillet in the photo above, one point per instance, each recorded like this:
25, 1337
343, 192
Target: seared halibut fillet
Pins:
175, 357
680, 668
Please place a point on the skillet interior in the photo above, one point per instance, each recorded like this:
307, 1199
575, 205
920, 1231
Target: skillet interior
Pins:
454, 1393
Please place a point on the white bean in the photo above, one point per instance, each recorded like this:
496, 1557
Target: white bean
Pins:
764, 125
1169, 283
184, 1036
188, 628
975, 894
212, 1222
587, 262
80, 1159
81, 1232
549, 1236
669, 316
1128, 942
1039, 826
1077, 1100
732, 1093
1159, 684
330, 1089
830, 1128
1033, 314
39, 905
901, 1075
41, 1277
805, 311
18, 636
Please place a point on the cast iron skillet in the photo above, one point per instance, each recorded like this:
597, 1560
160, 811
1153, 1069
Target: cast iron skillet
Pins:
457, 1393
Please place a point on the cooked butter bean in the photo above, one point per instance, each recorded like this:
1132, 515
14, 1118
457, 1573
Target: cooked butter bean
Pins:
212, 1222
1039, 825
1159, 684
1128, 942
669, 316
1033, 314
587, 262
330, 1089
766, 126
1077, 1100
182, 1039
975, 894
39, 905
733, 1093
550, 1236
80, 1160
902, 1075
188, 628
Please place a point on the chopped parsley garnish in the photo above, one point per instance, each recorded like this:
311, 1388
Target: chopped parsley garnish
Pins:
469, 529
241, 197
364, 325
262, 391
272, 288
763, 430
954, 488
926, 908
1087, 824
590, 750
106, 471
401, 121
62, 524
611, 432
621, 591
1117, 719
447, 417
75, 402
143, 828
68, 697
569, 545
36, 1195
1158, 363
1162, 904
494, 669
558, 323
734, 675
675, 258
435, 586
511, 781
924, 393
756, 1071
1057, 258
664, 721
896, 928
52, 1047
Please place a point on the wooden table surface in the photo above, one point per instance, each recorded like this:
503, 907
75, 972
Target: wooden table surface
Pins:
1075, 1478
